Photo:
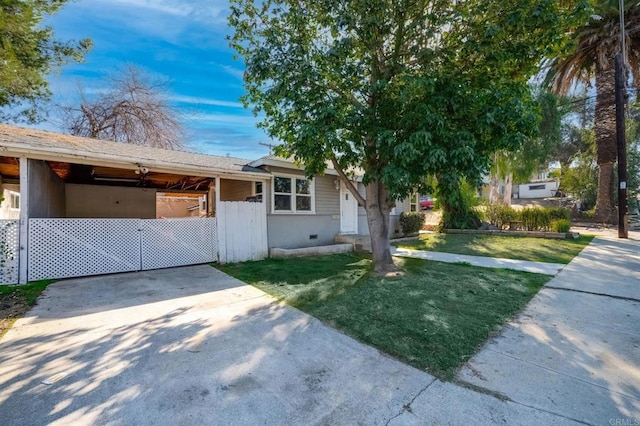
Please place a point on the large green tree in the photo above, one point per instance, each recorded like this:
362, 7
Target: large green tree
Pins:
399, 89
28, 53
596, 43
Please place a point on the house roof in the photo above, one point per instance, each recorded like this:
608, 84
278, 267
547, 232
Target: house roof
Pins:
290, 163
44, 145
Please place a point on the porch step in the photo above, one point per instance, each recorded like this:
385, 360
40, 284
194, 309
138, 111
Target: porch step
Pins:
361, 243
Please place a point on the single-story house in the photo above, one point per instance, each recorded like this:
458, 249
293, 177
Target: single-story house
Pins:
87, 207
79, 206
305, 213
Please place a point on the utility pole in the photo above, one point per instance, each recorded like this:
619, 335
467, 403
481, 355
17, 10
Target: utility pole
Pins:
623, 227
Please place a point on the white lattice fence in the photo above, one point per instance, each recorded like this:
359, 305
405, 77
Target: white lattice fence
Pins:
9, 251
60, 248
176, 242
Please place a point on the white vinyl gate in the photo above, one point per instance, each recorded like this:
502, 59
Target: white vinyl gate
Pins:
242, 231
62, 248
177, 242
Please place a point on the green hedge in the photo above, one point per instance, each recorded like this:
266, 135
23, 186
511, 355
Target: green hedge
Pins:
532, 218
500, 215
561, 225
411, 222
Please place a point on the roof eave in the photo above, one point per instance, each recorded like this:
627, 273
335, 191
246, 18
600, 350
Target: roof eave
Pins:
107, 160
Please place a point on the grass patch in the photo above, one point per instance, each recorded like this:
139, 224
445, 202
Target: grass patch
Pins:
435, 316
15, 301
506, 247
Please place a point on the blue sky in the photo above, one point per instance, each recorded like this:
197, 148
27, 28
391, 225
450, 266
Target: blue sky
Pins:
182, 41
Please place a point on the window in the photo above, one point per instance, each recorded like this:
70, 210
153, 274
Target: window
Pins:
257, 192
14, 200
536, 187
292, 194
413, 203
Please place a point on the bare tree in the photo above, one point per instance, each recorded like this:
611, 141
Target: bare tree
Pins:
133, 110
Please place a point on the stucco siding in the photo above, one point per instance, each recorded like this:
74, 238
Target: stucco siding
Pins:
295, 231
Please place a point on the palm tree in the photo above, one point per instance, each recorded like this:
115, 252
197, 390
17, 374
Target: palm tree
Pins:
596, 45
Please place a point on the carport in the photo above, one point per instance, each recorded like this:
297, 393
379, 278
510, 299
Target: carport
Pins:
88, 207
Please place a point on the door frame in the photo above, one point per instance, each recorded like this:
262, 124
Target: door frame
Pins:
348, 211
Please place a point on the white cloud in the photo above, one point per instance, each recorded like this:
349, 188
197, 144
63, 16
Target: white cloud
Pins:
236, 72
170, 8
183, 8
205, 101
243, 120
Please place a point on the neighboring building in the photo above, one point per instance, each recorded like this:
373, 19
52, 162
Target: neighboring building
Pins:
536, 189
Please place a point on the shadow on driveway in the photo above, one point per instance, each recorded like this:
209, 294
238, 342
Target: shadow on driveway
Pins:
189, 345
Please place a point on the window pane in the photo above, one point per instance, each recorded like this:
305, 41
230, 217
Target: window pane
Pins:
282, 184
303, 203
303, 186
258, 188
282, 202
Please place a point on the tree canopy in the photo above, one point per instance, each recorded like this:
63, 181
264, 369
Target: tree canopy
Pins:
400, 89
28, 53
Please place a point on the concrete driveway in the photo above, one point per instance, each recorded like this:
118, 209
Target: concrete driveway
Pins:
195, 346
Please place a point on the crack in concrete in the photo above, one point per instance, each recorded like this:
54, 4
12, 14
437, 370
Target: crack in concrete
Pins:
480, 389
407, 407
628, 299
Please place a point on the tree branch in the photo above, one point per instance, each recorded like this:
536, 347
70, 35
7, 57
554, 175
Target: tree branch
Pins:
350, 186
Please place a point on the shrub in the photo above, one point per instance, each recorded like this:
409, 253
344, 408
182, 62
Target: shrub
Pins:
411, 222
535, 219
459, 200
500, 215
556, 213
560, 225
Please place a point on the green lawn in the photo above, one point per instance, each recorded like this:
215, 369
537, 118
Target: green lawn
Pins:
506, 247
433, 317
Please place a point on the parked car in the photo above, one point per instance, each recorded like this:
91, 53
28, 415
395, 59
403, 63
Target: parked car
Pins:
426, 202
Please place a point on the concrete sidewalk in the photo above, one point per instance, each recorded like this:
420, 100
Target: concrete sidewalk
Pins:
485, 262
575, 350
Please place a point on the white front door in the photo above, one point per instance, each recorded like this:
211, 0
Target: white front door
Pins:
348, 211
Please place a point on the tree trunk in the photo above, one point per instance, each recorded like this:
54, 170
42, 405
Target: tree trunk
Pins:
494, 189
378, 208
508, 187
605, 211
606, 146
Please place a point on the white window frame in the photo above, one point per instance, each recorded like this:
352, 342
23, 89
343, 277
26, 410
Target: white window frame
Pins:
415, 204
255, 188
312, 193
13, 194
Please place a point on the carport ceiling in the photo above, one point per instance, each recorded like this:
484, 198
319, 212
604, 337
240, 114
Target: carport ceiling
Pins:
99, 175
